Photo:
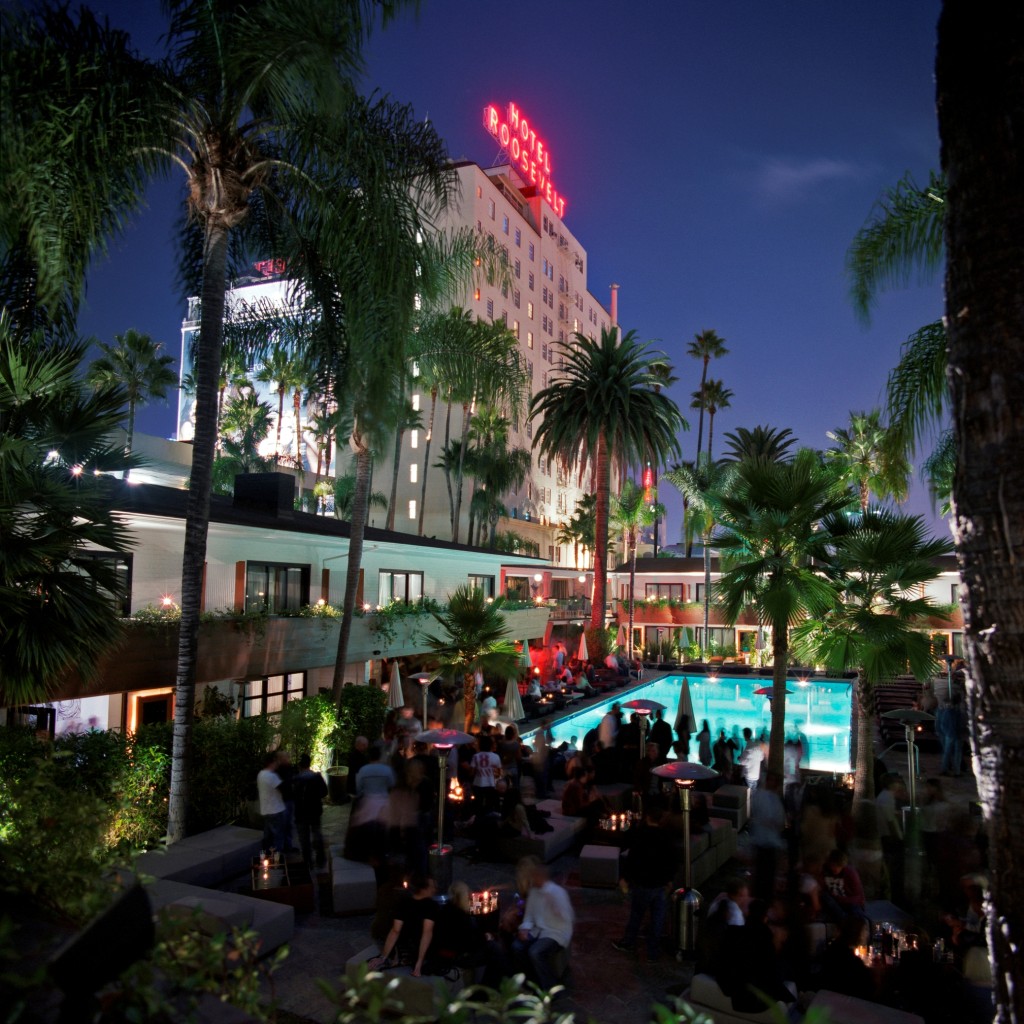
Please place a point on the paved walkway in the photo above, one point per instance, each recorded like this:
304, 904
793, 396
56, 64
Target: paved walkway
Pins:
605, 985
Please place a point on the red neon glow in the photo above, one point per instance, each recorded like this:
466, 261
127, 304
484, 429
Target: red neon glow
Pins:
271, 268
527, 151
648, 479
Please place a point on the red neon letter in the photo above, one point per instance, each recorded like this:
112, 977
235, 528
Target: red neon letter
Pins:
491, 119
513, 116
503, 134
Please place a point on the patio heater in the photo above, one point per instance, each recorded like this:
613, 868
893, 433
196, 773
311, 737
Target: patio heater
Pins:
644, 708
687, 903
424, 679
439, 855
949, 659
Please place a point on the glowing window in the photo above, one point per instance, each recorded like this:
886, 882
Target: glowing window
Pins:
414, 439
412, 508
413, 472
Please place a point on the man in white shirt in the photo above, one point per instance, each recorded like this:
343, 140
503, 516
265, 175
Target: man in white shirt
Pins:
268, 785
546, 929
751, 759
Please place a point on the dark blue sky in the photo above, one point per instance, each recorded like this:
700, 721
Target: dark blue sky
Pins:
717, 159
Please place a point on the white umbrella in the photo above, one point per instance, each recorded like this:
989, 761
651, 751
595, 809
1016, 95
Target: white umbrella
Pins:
685, 705
582, 654
524, 655
396, 698
513, 703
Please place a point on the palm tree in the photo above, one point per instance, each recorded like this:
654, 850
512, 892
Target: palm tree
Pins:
981, 118
716, 396
631, 510
259, 99
705, 346
56, 495
770, 521
865, 456
344, 495
880, 563
283, 368
245, 426
699, 485
136, 362
409, 419
476, 639
601, 411
760, 443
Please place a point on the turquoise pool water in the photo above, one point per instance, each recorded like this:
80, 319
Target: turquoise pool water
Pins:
819, 708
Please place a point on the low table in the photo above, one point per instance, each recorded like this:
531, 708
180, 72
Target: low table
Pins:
285, 883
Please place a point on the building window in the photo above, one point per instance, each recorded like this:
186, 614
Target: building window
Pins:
529, 310
531, 252
414, 439
490, 308
275, 587
412, 508
113, 575
270, 694
519, 237
480, 582
479, 192
490, 208
515, 325
414, 470
416, 402
529, 281
518, 267
406, 587
529, 339
675, 591
476, 294
504, 224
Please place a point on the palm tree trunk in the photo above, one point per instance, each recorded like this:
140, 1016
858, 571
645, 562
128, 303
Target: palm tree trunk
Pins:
389, 523
280, 419
357, 528
130, 438
700, 418
602, 491
632, 593
300, 463
444, 460
197, 519
705, 647
780, 654
426, 459
469, 700
457, 511
711, 430
864, 769
981, 122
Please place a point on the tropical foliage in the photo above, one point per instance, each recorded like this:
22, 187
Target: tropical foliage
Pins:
475, 639
866, 457
602, 411
632, 509
772, 522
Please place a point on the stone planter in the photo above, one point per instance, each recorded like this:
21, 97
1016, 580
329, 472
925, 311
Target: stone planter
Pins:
337, 784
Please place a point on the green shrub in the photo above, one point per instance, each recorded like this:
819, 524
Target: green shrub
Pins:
311, 726
367, 708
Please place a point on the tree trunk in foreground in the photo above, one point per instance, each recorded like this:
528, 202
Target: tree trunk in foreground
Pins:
980, 83
602, 492
777, 737
197, 520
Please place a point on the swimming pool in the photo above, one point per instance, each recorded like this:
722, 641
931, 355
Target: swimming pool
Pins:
819, 708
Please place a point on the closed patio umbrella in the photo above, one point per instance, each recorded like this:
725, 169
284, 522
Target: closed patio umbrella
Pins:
685, 706
396, 698
582, 654
620, 638
513, 702
524, 655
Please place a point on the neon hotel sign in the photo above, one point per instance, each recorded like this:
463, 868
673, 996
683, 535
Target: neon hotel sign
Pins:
527, 151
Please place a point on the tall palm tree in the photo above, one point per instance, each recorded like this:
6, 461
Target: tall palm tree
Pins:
865, 457
258, 98
762, 442
880, 563
633, 509
476, 639
601, 411
699, 485
705, 346
344, 496
409, 419
771, 529
56, 497
716, 396
981, 121
137, 363
286, 369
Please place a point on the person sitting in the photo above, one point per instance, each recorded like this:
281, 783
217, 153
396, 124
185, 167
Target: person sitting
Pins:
580, 798
727, 910
458, 941
842, 893
842, 970
413, 927
546, 929
750, 970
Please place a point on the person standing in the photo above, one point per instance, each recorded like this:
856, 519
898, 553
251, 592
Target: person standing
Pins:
951, 727
661, 733
546, 929
751, 759
272, 808
486, 767
308, 791
649, 866
767, 828
890, 830
704, 744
